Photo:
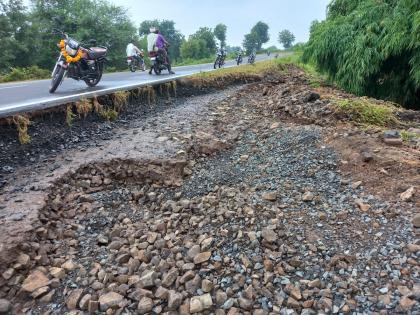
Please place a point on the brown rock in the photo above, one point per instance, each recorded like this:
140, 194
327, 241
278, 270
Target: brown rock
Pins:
145, 305
34, 281
245, 303
202, 257
269, 235
109, 300
308, 196
408, 194
40, 292
413, 248
23, 259
147, 280
170, 277
221, 297
57, 272
206, 285
93, 306
73, 299
199, 303
416, 220
84, 302
362, 206
174, 300
291, 302
271, 196
161, 293
406, 303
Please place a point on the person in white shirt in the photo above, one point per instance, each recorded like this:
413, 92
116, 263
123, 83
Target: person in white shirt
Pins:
133, 51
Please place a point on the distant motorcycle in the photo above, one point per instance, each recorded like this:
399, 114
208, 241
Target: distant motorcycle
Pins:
251, 59
220, 59
136, 63
78, 61
239, 59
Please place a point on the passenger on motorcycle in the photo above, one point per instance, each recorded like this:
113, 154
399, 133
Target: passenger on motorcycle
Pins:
157, 43
133, 51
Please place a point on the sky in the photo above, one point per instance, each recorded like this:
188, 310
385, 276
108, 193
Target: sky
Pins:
238, 15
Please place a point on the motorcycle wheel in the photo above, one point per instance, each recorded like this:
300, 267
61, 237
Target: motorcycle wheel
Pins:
216, 63
157, 69
132, 68
93, 82
56, 79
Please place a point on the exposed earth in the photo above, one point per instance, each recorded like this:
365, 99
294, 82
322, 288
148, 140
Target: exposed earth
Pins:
255, 199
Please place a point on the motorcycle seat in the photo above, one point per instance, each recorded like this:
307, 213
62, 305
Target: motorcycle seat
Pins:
153, 54
96, 52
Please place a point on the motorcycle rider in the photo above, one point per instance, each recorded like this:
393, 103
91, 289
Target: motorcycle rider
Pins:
157, 43
133, 51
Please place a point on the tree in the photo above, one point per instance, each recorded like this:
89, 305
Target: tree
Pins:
260, 34
83, 20
206, 34
286, 38
193, 49
250, 43
167, 28
370, 47
220, 33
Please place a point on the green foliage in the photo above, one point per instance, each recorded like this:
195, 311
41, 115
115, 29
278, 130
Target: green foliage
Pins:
21, 74
365, 112
220, 33
370, 47
256, 38
286, 38
200, 45
167, 29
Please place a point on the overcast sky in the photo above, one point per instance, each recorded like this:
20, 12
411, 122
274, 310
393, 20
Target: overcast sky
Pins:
238, 15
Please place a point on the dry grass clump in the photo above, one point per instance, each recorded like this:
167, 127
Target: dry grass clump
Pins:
84, 107
70, 115
22, 122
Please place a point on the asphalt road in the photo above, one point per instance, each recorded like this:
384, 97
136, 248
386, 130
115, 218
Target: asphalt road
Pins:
26, 96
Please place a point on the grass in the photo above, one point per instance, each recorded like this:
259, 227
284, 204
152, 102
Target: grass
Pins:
23, 74
366, 112
408, 136
22, 122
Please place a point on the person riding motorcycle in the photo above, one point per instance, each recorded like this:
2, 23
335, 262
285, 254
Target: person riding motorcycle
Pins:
157, 43
133, 51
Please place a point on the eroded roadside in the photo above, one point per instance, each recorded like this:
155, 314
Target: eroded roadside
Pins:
233, 202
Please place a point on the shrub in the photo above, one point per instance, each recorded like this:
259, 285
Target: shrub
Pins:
21, 74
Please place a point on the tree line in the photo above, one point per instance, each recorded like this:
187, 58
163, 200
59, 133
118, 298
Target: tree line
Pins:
27, 38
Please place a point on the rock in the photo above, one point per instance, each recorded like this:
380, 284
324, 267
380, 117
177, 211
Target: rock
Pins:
311, 97
69, 265
269, 235
314, 283
8, 273
408, 194
367, 156
393, 142
174, 300
148, 279
194, 251
271, 196
170, 277
200, 303
361, 205
23, 259
221, 297
93, 306
57, 272
291, 302
34, 281
356, 185
38, 293
145, 305
406, 303
109, 300
5, 306
206, 285
84, 302
73, 299
102, 240
308, 196
161, 293
413, 248
391, 134
245, 303
416, 220
195, 306
202, 257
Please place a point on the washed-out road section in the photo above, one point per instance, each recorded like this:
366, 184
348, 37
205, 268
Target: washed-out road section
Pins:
27, 96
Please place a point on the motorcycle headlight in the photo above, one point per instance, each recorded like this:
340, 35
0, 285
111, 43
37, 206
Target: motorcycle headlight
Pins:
72, 52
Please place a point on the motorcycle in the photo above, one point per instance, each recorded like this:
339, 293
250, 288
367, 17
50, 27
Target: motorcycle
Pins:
136, 63
78, 61
220, 60
239, 59
251, 59
159, 63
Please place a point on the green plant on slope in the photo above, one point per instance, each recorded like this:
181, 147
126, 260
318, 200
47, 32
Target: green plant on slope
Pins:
371, 47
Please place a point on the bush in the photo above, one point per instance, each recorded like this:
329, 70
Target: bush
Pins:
22, 74
370, 48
